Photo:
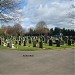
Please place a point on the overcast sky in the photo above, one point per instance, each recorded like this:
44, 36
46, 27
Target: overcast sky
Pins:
56, 13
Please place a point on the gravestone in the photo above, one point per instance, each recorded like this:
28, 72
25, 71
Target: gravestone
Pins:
29, 37
29, 41
0, 41
24, 43
65, 39
19, 42
40, 44
72, 42
34, 43
69, 42
37, 40
10, 44
57, 43
43, 38
50, 42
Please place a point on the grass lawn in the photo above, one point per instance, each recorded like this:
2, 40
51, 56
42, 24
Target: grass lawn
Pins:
30, 47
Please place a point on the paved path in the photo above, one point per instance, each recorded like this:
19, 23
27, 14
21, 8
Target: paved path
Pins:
42, 63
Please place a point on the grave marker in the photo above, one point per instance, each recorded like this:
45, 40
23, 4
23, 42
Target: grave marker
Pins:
57, 43
69, 42
40, 44
24, 43
0, 41
34, 43
19, 42
50, 42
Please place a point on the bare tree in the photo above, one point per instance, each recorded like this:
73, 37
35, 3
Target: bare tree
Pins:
13, 30
17, 29
41, 28
6, 7
41, 24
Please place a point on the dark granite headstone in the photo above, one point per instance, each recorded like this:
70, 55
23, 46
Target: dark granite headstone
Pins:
40, 44
43, 38
37, 40
19, 42
57, 43
73, 42
0, 41
8, 45
50, 42
24, 43
69, 42
29, 41
29, 37
34, 43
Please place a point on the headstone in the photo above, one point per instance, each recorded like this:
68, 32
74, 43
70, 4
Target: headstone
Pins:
69, 42
29, 37
50, 42
43, 38
29, 41
40, 44
37, 40
72, 42
19, 42
24, 43
65, 39
34, 43
10, 44
57, 43
0, 41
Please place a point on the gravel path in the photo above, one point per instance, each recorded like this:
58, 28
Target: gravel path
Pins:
48, 62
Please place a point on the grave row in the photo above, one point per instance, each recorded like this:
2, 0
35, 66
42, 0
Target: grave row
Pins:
23, 41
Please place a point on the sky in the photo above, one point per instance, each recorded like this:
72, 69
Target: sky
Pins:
56, 13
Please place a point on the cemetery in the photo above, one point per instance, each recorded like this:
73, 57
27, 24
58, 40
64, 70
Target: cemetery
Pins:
33, 43
37, 37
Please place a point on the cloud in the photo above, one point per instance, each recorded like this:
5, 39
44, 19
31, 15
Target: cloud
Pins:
58, 13
53, 12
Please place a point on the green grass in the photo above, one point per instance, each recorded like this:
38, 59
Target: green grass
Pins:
30, 47
59, 48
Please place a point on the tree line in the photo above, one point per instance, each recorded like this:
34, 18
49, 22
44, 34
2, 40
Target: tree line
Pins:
40, 29
53, 32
